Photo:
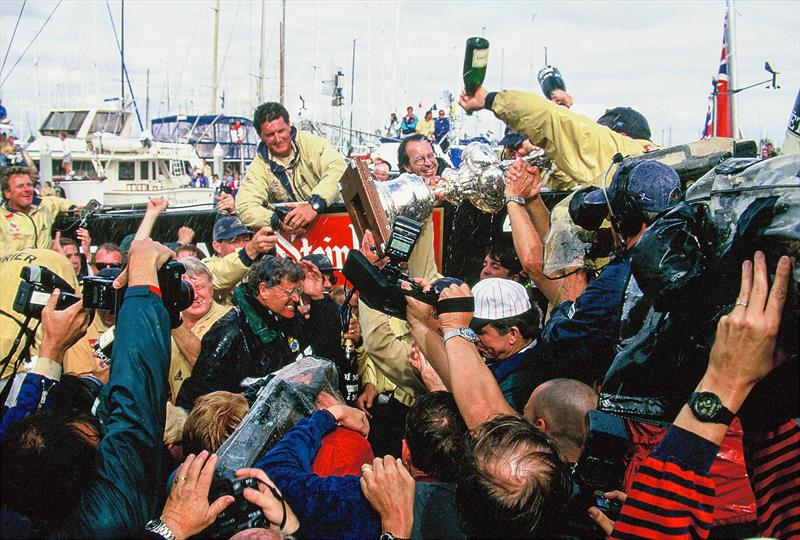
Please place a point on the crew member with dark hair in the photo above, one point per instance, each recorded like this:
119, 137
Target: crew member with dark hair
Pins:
265, 331
501, 262
290, 166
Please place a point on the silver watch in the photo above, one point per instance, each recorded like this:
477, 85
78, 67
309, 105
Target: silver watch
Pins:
160, 528
515, 199
465, 332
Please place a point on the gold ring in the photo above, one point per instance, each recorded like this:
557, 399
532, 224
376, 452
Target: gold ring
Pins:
741, 302
366, 467
179, 478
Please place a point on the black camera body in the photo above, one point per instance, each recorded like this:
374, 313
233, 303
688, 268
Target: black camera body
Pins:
177, 295
385, 289
240, 515
38, 283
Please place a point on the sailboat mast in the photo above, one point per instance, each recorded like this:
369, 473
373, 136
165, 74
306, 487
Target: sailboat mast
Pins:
122, 56
732, 67
283, 50
260, 79
214, 67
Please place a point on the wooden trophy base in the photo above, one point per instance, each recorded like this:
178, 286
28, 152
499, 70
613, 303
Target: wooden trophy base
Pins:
363, 203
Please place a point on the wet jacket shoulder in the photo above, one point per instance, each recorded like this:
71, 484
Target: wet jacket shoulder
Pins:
579, 146
30, 392
225, 344
579, 339
327, 507
126, 490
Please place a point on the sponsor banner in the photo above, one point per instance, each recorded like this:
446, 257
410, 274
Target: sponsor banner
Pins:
334, 236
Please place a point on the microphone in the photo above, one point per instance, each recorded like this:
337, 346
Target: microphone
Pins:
617, 158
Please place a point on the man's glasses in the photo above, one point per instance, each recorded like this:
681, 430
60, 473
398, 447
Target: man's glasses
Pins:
422, 159
290, 292
103, 266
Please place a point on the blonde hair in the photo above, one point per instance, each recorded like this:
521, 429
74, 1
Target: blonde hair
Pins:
212, 420
173, 427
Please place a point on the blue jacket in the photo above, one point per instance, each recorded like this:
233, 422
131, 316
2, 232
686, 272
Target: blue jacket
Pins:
125, 493
327, 507
517, 376
406, 127
579, 341
440, 128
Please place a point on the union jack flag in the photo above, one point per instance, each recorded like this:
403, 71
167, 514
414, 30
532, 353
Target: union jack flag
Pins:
718, 115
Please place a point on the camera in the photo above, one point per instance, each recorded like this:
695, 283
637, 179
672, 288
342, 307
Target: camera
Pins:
240, 515
38, 283
382, 289
279, 213
177, 295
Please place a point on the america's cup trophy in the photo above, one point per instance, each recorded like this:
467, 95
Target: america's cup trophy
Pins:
479, 179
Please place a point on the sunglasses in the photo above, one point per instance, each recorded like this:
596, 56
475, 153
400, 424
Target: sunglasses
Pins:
103, 266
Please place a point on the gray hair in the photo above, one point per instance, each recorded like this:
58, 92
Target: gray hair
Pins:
270, 270
195, 268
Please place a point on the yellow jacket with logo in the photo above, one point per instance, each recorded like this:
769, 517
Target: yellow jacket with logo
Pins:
579, 146
318, 171
19, 230
226, 273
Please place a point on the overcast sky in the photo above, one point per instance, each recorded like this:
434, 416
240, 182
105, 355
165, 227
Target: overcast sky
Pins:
657, 57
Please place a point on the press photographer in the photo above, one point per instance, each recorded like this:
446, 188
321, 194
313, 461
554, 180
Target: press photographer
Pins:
73, 487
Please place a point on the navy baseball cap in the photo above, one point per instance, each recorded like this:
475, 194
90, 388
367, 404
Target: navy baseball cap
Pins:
321, 261
228, 228
626, 120
511, 138
653, 185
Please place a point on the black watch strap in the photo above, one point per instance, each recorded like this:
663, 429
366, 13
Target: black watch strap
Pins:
707, 407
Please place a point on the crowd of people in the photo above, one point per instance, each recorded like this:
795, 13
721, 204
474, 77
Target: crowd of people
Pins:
492, 414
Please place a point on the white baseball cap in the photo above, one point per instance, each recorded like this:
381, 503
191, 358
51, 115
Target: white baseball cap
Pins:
498, 298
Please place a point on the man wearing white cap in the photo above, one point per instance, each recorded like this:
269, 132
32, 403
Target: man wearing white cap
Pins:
505, 326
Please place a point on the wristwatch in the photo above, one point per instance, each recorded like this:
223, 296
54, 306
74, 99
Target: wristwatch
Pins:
386, 535
465, 332
160, 528
515, 199
707, 407
317, 203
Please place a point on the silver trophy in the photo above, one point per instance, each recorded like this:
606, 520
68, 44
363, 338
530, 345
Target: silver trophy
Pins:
479, 179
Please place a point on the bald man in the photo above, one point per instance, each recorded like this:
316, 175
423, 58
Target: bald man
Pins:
558, 408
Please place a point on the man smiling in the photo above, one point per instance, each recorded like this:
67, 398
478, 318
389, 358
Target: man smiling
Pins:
265, 332
290, 166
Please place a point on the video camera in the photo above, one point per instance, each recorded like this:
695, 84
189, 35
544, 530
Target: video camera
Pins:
381, 289
602, 464
38, 283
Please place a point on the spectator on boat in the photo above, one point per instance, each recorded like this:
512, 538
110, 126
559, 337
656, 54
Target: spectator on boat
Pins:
27, 219
579, 146
381, 171
203, 181
409, 123
265, 331
393, 128
66, 155
215, 182
425, 126
235, 251
290, 166
441, 129
58, 191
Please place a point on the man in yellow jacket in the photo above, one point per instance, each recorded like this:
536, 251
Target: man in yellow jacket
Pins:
290, 166
579, 146
25, 219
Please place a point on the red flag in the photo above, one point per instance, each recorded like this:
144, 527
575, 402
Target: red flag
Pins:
718, 118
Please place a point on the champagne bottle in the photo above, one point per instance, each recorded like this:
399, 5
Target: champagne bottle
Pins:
476, 58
